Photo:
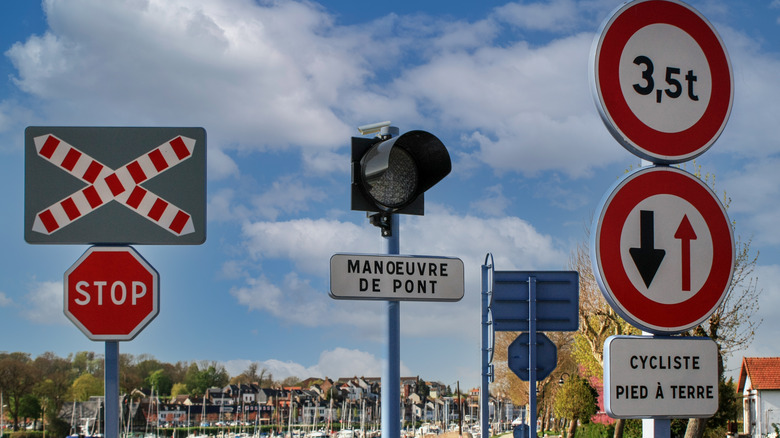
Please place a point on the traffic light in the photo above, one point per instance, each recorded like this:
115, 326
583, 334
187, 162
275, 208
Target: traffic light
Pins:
391, 174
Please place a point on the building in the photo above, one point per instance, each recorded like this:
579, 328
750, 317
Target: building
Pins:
759, 383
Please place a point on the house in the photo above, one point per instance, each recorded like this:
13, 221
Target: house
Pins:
759, 383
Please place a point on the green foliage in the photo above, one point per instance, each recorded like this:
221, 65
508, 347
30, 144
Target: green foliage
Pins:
576, 399
595, 430
30, 407
85, 386
632, 429
583, 354
728, 404
160, 381
57, 427
208, 375
25, 434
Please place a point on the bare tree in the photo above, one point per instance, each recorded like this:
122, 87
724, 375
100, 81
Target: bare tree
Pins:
598, 320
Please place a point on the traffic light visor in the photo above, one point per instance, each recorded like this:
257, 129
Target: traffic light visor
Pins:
394, 173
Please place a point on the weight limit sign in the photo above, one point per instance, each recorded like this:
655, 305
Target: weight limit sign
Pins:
662, 80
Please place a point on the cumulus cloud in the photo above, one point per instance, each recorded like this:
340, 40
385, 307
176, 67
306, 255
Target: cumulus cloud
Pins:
335, 363
307, 245
279, 75
5, 300
44, 303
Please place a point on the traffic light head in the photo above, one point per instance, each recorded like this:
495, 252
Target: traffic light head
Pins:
390, 175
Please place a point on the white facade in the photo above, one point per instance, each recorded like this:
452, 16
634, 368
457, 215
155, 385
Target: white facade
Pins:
761, 411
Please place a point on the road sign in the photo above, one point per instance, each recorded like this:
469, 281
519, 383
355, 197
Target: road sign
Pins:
662, 249
115, 185
660, 377
396, 277
111, 293
662, 80
518, 356
557, 300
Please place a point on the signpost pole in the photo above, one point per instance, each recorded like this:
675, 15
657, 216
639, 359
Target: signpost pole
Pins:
656, 427
391, 374
484, 394
111, 411
532, 354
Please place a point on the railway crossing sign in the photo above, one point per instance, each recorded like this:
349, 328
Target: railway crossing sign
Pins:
111, 293
115, 185
662, 80
662, 249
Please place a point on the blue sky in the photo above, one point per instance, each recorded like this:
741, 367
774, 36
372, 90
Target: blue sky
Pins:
280, 88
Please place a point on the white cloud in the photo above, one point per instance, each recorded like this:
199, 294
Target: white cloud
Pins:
556, 15
44, 303
335, 363
493, 203
5, 301
528, 109
287, 195
266, 75
309, 244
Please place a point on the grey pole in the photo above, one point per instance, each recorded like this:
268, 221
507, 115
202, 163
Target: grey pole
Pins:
391, 373
111, 412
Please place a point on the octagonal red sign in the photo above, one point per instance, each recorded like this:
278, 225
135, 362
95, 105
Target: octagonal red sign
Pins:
111, 293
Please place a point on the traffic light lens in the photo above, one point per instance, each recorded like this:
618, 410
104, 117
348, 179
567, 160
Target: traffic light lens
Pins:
397, 185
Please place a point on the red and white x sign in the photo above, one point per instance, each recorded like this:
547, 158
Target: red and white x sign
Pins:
106, 185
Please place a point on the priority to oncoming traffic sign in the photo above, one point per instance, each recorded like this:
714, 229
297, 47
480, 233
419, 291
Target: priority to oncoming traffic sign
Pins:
662, 249
396, 277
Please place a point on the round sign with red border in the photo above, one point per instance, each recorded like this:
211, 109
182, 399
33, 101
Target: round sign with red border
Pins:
662, 80
111, 293
662, 249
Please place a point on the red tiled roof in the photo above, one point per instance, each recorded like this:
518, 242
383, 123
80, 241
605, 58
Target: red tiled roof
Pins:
764, 373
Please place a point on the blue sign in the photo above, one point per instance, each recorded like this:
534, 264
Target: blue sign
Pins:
557, 300
518, 356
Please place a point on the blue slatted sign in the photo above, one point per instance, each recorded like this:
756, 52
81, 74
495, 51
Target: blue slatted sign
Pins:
557, 300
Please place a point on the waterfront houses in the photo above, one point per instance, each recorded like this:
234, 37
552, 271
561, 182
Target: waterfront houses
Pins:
345, 403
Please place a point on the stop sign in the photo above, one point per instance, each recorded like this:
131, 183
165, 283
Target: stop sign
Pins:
111, 293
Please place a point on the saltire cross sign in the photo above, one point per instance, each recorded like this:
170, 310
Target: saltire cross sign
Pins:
97, 160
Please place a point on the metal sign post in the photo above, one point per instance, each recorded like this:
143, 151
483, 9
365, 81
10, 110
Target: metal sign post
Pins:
391, 371
663, 247
526, 301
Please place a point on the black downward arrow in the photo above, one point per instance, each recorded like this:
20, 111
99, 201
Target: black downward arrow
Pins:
646, 257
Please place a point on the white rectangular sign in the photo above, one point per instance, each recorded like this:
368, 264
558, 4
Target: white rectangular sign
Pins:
396, 277
660, 377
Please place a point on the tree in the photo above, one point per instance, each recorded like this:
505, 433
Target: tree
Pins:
17, 378
732, 326
598, 320
201, 377
160, 381
85, 386
178, 389
52, 390
576, 400
250, 375
30, 408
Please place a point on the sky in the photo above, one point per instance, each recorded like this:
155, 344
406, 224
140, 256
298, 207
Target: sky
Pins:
280, 87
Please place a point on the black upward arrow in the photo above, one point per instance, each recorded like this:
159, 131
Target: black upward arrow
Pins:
646, 257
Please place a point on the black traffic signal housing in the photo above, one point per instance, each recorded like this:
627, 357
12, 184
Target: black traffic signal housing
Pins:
391, 174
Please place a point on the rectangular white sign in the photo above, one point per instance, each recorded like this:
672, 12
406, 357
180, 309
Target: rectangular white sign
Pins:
396, 277
660, 377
